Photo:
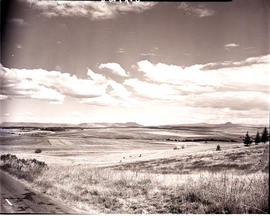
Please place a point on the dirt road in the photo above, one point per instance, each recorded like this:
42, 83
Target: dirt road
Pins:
16, 198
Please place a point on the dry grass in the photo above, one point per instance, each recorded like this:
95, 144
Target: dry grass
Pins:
240, 159
110, 191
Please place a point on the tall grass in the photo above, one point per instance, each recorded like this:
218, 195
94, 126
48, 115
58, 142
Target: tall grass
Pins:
27, 169
110, 191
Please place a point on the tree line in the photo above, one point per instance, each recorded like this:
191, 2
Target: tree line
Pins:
258, 138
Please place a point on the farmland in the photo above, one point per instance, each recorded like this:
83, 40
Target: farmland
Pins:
135, 166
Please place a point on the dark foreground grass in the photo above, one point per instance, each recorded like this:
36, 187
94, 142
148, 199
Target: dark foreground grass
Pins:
27, 169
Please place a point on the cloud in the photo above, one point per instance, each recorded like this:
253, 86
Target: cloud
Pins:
92, 10
104, 100
50, 85
196, 10
231, 45
55, 86
259, 60
118, 90
148, 54
18, 21
151, 90
115, 68
239, 100
3, 97
249, 72
96, 77
121, 50
76, 113
233, 85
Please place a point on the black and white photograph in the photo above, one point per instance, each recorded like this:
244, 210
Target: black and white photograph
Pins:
134, 107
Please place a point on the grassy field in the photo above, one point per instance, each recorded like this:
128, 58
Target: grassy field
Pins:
100, 171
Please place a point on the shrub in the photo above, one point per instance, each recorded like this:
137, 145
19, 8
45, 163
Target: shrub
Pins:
38, 151
27, 169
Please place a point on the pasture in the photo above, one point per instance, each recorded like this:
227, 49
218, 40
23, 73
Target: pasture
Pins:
148, 170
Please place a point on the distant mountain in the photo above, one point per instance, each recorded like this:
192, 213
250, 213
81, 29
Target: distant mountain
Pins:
227, 124
127, 124
82, 125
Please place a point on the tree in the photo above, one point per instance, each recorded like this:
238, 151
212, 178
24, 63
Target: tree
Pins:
257, 138
247, 140
265, 135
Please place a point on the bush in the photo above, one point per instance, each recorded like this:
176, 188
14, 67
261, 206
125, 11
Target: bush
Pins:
27, 169
38, 151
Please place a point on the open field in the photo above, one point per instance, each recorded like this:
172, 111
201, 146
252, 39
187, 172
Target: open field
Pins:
106, 146
147, 170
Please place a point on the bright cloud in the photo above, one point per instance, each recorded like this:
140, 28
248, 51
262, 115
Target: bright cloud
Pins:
54, 86
104, 100
115, 68
93, 10
76, 113
3, 97
49, 85
233, 85
251, 72
231, 45
118, 90
150, 90
96, 77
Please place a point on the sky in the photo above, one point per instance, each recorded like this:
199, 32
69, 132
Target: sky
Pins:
152, 63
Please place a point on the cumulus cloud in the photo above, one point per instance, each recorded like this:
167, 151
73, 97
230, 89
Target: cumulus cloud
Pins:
118, 90
93, 10
115, 68
233, 85
54, 86
196, 10
249, 72
49, 85
96, 77
151, 90
259, 60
